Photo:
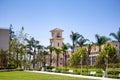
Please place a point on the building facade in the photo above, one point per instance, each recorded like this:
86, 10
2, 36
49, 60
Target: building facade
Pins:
4, 39
56, 41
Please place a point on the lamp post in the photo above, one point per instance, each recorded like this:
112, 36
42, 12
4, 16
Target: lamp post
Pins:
81, 63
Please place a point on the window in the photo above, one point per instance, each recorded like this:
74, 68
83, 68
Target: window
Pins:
58, 35
52, 34
58, 44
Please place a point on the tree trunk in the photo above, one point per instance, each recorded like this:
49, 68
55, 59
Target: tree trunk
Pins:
57, 60
20, 60
73, 46
17, 60
65, 59
50, 58
119, 48
34, 61
29, 61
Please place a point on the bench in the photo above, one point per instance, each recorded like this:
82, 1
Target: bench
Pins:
70, 71
92, 73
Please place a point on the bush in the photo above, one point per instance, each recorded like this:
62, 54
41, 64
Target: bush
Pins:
113, 72
112, 65
18, 69
40, 68
58, 70
64, 70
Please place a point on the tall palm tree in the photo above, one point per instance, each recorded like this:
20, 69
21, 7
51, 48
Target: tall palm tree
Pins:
81, 42
32, 44
101, 40
64, 48
74, 37
57, 51
51, 50
117, 37
40, 54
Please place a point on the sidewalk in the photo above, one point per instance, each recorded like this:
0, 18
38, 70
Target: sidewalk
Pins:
72, 75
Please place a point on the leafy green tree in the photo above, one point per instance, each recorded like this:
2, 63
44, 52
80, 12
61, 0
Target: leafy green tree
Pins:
101, 40
74, 37
107, 53
3, 58
117, 37
12, 43
76, 57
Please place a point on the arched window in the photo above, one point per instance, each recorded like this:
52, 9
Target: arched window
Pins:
58, 35
58, 44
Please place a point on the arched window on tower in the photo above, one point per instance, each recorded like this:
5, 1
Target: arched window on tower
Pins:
58, 35
58, 44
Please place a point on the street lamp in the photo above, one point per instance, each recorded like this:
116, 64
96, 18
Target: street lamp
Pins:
81, 63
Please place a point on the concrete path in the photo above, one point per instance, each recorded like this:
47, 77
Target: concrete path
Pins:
72, 75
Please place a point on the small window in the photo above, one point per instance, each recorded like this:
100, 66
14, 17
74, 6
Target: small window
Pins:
52, 34
58, 44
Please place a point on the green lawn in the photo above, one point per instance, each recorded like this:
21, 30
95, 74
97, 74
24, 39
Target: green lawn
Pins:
34, 76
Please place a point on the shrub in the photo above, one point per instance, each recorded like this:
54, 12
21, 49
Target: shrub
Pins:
64, 70
58, 70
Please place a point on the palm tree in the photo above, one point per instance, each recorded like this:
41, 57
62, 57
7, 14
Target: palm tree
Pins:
82, 41
39, 54
101, 40
64, 48
51, 50
58, 51
117, 37
32, 44
74, 37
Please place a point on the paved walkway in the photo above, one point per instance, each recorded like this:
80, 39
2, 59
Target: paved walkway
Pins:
72, 75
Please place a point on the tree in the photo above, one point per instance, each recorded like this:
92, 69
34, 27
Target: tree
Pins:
57, 51
12, 38
32, 45
110, 51
64, 49
81, 42
117, 37
76, 57
101, 40
40, 55
3, 58
74, 37
51, 49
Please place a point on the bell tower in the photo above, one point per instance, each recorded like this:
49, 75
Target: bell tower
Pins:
56, 40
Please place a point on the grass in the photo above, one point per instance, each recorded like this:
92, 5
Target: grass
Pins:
21, 75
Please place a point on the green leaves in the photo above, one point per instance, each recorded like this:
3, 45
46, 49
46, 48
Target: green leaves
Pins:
112, 55
76, 57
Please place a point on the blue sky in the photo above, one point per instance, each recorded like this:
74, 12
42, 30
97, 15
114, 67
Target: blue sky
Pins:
87, 17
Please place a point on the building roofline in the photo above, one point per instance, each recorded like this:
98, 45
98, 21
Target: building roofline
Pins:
56, 29
2, 28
